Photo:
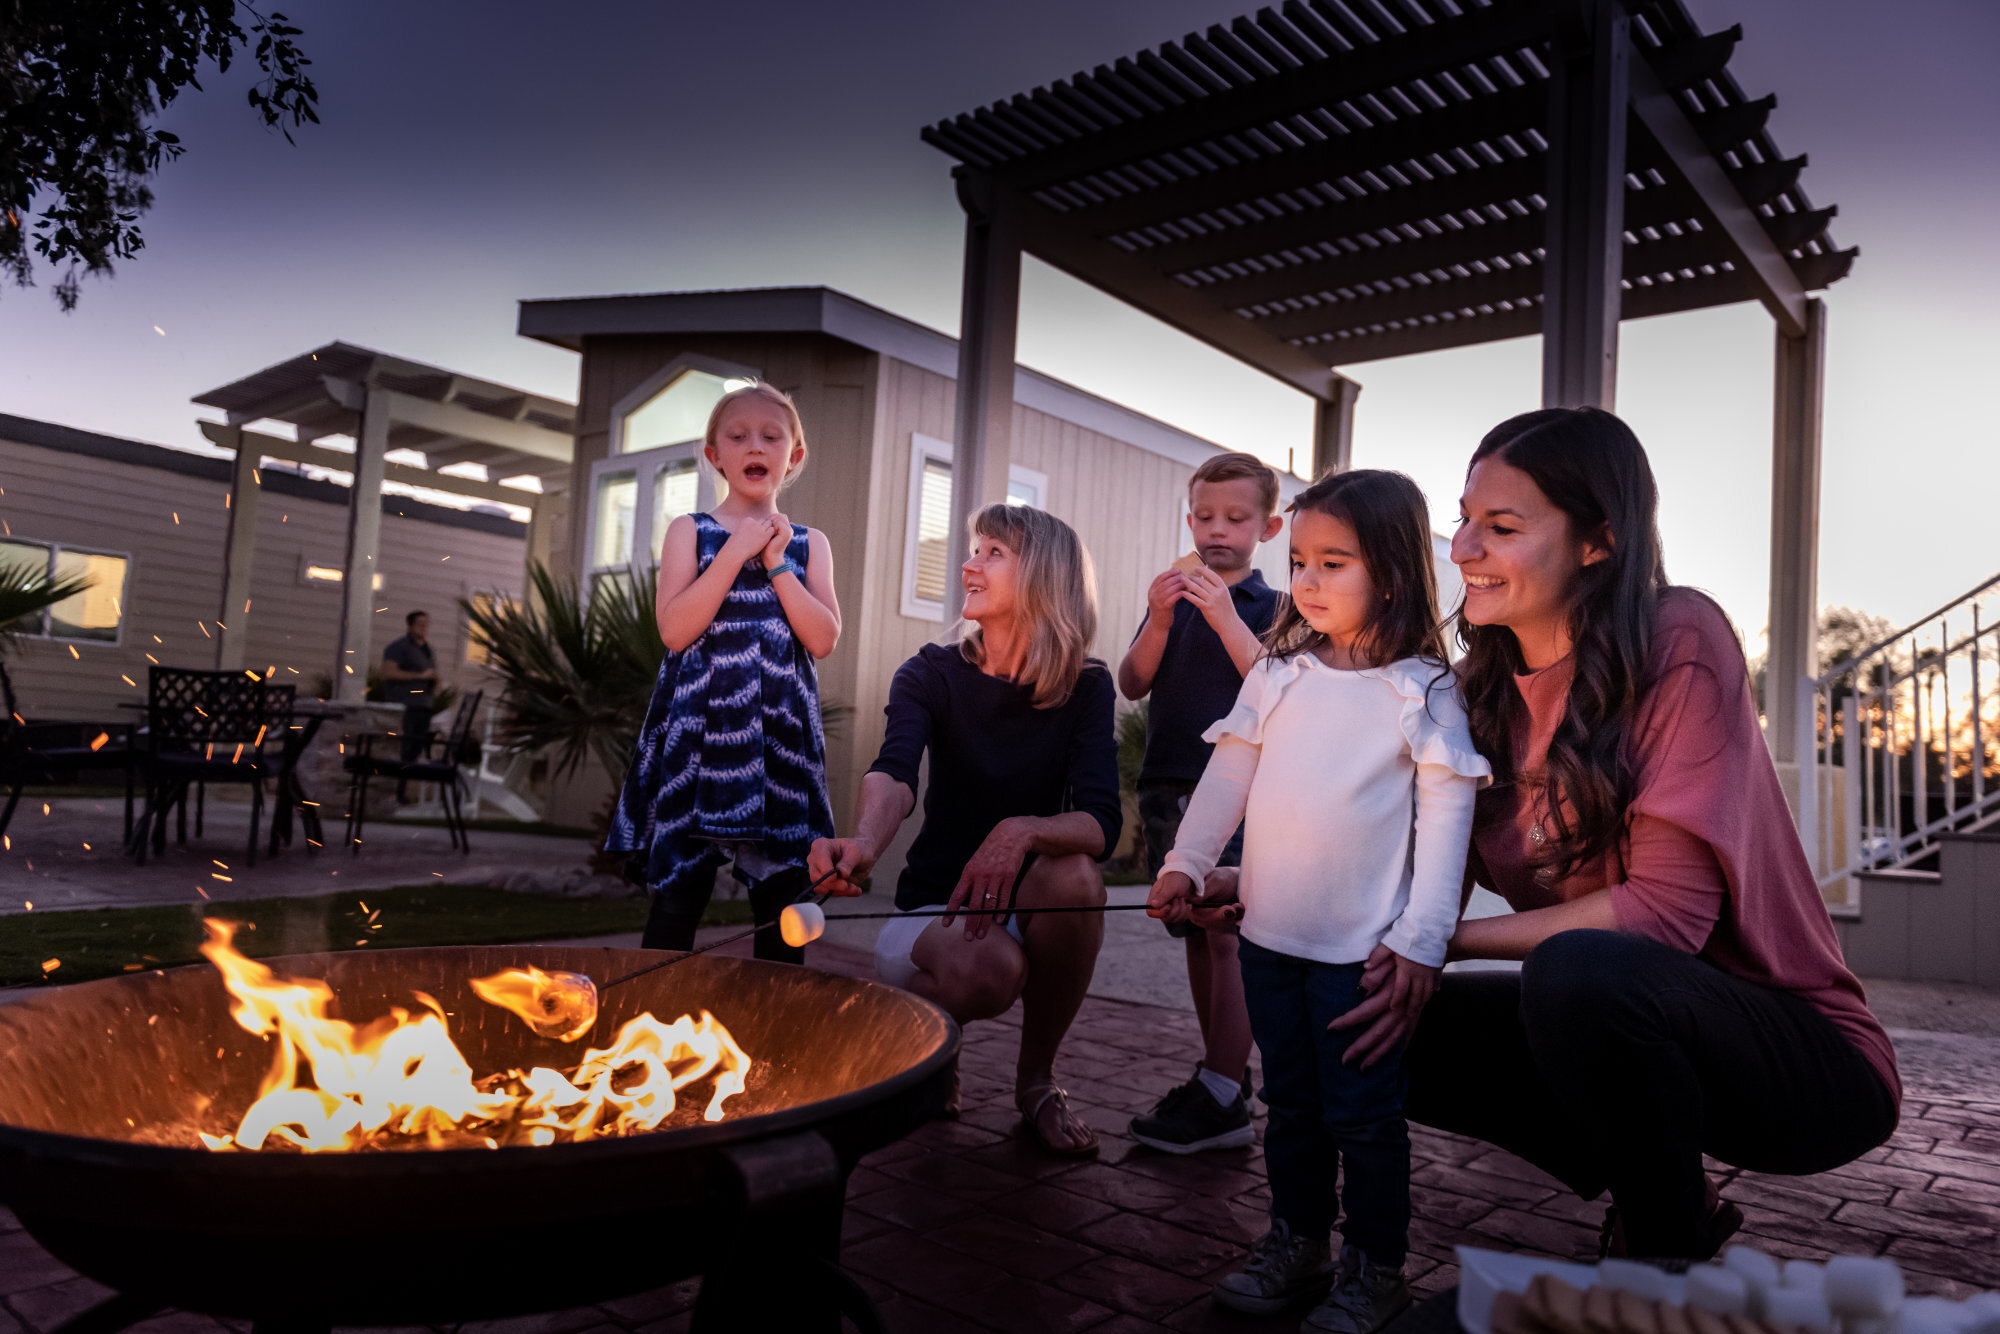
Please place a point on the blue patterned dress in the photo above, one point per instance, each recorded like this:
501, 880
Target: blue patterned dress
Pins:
731, 751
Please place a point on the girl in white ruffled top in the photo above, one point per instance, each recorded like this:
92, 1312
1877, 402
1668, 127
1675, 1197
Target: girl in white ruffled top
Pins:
1348, 762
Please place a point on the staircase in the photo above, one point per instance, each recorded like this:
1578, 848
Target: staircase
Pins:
1905, 757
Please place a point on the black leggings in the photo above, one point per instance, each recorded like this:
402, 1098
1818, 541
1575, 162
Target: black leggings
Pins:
673, 928
1614, 1062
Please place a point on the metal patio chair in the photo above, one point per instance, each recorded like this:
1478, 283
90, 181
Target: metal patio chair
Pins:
51, 752
442, 762
208, 727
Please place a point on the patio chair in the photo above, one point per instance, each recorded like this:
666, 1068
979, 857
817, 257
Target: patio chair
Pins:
441, 762
209, 727
54, 752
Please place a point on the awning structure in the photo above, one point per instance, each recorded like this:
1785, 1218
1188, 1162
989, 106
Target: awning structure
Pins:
1339, 181
384, 403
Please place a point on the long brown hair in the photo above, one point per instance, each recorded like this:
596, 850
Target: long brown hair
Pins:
1055, 599
1386, 510
1592, 468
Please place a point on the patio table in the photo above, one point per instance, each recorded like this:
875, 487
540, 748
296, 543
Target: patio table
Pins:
307, 716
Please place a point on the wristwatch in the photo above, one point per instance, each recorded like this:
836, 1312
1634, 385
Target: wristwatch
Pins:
787, 566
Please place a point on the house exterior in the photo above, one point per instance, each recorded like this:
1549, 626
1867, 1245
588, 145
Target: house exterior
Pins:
876, 393
148, 524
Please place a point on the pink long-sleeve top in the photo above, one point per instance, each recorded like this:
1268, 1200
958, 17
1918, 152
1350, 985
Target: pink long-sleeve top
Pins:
1710, 861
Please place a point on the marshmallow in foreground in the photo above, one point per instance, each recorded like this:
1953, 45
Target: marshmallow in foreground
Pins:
562, 1006
801, 924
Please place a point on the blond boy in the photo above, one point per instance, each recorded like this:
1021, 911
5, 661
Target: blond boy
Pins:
1199, 638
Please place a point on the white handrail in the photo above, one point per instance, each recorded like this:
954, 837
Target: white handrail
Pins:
1902, 750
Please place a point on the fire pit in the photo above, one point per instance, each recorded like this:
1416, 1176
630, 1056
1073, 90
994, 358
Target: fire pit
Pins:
103, 1084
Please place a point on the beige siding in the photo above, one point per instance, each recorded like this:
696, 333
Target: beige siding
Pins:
175, 578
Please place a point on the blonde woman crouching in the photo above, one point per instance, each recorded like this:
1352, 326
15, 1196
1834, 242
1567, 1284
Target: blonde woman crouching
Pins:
1022, 802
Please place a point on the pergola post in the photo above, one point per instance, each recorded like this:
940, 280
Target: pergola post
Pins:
364, 540
1333, 428
1793, 661
989, 316
239, 551
1582, 294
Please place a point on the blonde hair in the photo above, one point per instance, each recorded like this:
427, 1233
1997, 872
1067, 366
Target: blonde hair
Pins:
777, 398
1233, 467
1056, 599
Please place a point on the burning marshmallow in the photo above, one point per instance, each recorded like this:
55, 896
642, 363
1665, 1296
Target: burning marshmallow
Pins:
802, 924
562, 1006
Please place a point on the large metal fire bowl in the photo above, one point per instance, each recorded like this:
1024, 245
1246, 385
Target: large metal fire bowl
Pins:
91, 1084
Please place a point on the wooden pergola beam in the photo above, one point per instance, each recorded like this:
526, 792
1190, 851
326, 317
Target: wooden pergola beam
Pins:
1047, 236
1379, 66
454, 419
1378, 148
259, 445
1738, 228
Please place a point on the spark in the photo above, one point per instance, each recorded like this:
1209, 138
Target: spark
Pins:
223, 865
204, 630
364, 904
7, 843
128, 680
223, 878
152, 1019
158, 330
50, 965
73, 653
199, 890
150, 658
158, 640
246, 606
29, 904
444, 558
97, 742
86, 847
177, 517
45, 808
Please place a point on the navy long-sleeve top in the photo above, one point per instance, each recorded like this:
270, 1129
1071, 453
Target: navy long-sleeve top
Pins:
994, 755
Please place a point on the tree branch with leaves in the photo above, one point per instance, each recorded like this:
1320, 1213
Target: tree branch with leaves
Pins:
81, 83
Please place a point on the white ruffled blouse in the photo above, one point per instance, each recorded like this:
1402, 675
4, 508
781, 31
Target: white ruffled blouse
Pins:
1355, 791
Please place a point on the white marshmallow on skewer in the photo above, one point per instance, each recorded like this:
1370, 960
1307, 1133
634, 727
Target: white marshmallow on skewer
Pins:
1640, 1280
1803, 1307
1859, 1288
802, 924
1717, 1290
1805, 1274
1760, 1274
1934, 1315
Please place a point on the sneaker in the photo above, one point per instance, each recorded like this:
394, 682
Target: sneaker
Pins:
1189, 1120
1284, 1269
1365, 1297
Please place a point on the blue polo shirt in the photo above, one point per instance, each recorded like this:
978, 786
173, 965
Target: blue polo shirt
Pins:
1197, 683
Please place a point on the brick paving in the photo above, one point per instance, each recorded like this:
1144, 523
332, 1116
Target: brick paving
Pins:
964, 1227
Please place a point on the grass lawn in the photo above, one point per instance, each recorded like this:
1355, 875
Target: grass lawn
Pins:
104, 942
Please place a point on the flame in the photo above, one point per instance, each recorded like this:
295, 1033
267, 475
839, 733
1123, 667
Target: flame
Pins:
562, 1006
400, 1081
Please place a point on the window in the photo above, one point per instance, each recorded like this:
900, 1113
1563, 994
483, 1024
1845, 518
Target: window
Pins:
678, 413
930, 550
93, 614
478, 651
676, 491
615, 503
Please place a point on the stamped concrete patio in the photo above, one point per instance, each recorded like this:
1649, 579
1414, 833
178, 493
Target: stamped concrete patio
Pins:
963, 1227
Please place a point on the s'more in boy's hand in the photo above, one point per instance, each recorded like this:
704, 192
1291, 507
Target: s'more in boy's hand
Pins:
1189, 563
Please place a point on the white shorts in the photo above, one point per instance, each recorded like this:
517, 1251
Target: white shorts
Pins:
899, 936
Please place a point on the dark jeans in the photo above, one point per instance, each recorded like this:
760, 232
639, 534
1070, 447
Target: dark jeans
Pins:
677, 910
416, 735
1615, 1062
1328, 1120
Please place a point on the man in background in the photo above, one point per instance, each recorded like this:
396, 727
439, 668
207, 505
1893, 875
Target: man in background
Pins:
409, 678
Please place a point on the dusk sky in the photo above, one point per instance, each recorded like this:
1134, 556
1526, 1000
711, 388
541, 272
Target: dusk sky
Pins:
476, 155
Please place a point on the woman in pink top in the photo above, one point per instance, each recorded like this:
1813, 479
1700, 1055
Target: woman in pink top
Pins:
1682, 991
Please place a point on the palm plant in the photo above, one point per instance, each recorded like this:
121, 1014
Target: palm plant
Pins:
26, 589
576, 672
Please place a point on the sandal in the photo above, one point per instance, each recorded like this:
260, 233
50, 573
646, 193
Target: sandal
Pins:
1031, 1121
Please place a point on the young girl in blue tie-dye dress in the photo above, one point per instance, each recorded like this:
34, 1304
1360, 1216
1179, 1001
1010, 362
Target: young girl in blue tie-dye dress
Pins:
731, 763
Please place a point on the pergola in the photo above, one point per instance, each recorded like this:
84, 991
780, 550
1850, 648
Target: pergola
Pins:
383, 403
1347, 180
